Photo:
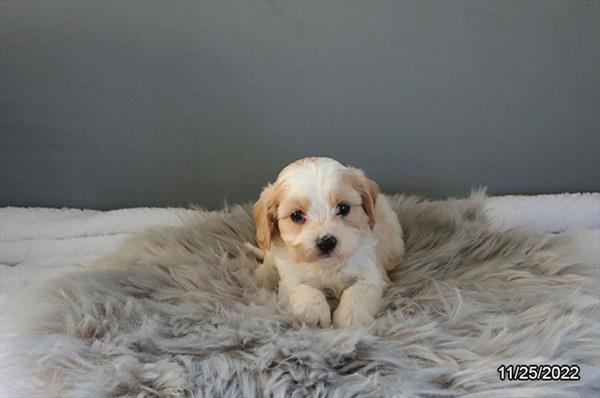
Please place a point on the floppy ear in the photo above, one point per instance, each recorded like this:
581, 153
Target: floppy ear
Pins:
265, 216
368, 190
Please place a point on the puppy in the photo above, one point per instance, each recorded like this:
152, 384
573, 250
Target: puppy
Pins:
330, 234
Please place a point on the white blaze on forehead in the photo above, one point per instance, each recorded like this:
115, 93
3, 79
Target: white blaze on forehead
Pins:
314, 180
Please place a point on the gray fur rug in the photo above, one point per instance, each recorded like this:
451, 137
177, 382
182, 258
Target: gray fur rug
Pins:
177, 313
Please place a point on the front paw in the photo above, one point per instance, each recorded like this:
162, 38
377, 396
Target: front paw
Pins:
348, 317
358, 306
309, 305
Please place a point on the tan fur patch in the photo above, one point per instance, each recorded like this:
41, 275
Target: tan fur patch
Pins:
265, 214
290, 230
345, 192
301, 254
288, 205
367, 189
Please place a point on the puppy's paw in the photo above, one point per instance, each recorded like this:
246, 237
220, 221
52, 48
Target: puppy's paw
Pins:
348, 317
358, 306
309, 305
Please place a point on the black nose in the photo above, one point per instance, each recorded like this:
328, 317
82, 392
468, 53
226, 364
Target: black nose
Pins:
326, 244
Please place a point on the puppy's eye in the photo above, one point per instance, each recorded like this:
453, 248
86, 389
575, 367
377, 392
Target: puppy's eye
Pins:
343, 209
297, 217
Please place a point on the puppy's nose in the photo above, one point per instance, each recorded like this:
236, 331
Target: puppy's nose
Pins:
326, 244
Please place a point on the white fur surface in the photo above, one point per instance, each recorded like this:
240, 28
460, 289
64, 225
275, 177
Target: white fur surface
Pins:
549, 213
447, 322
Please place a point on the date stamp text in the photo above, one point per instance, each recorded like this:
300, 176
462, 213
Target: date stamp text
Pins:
538, 372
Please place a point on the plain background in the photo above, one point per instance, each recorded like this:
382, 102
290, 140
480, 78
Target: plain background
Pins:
120, 104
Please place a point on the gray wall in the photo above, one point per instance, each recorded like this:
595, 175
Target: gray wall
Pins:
112, 104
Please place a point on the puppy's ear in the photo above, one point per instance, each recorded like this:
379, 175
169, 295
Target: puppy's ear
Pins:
368, 190
265, 216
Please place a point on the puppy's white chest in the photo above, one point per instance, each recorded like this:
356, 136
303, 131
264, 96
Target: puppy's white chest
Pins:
330, 279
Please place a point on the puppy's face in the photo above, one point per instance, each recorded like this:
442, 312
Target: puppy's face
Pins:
318, 208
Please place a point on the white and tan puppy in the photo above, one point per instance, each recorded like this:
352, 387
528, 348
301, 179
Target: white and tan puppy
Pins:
330, 234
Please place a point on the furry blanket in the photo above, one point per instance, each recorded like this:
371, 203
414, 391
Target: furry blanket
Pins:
177, 313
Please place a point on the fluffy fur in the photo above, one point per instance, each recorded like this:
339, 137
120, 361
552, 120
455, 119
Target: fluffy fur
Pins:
346, 283
186, 318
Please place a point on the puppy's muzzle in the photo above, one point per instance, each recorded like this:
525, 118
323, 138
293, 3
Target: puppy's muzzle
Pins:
326, 244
